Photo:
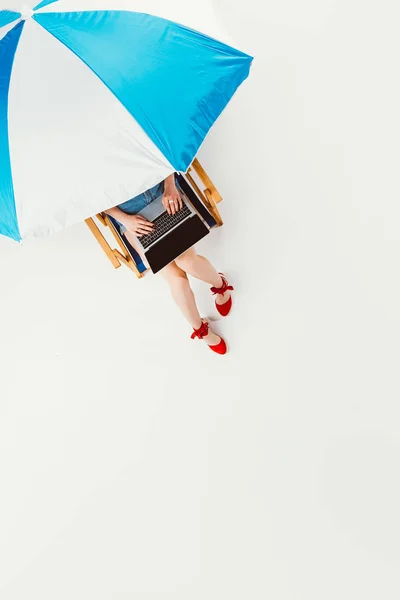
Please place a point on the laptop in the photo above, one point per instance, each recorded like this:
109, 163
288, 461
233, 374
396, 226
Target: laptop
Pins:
172, 234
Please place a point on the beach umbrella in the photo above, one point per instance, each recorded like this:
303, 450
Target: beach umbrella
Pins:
102, 99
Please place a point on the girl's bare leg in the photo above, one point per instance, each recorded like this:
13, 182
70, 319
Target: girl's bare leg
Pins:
183, 295
181, 292
201, 268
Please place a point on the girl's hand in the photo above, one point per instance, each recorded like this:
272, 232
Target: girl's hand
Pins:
138, 225
172, 200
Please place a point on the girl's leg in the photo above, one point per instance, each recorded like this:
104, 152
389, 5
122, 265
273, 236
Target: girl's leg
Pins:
183, 295
181, 292
201, 268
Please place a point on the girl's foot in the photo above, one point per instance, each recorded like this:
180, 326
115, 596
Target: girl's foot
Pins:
213, 341
223, 301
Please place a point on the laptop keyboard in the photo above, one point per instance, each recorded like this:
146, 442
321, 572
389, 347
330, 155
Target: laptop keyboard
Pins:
163, 224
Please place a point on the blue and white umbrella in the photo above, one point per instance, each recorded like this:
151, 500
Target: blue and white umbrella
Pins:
102, 99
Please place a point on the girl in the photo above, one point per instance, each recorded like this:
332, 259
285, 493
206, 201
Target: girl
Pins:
189, 263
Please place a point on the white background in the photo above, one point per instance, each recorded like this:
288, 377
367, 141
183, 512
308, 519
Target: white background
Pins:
135, 464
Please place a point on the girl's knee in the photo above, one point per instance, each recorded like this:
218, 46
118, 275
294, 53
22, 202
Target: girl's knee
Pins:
174, 275
186, 259
179, 285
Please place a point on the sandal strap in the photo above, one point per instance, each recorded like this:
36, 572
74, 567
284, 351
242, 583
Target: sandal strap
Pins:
224, 288
200, 333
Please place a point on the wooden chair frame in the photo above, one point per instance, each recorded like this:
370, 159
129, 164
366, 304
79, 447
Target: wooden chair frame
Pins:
120, 256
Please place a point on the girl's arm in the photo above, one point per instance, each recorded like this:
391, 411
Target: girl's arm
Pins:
172, 200
170, 185
117, 214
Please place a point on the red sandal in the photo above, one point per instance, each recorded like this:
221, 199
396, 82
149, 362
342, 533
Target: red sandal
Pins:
203, 332
225, 308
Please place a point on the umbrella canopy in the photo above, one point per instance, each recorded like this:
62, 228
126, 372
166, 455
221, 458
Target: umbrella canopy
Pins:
100, 100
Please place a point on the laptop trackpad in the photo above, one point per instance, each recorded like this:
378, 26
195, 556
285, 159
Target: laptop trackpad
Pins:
176, 243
